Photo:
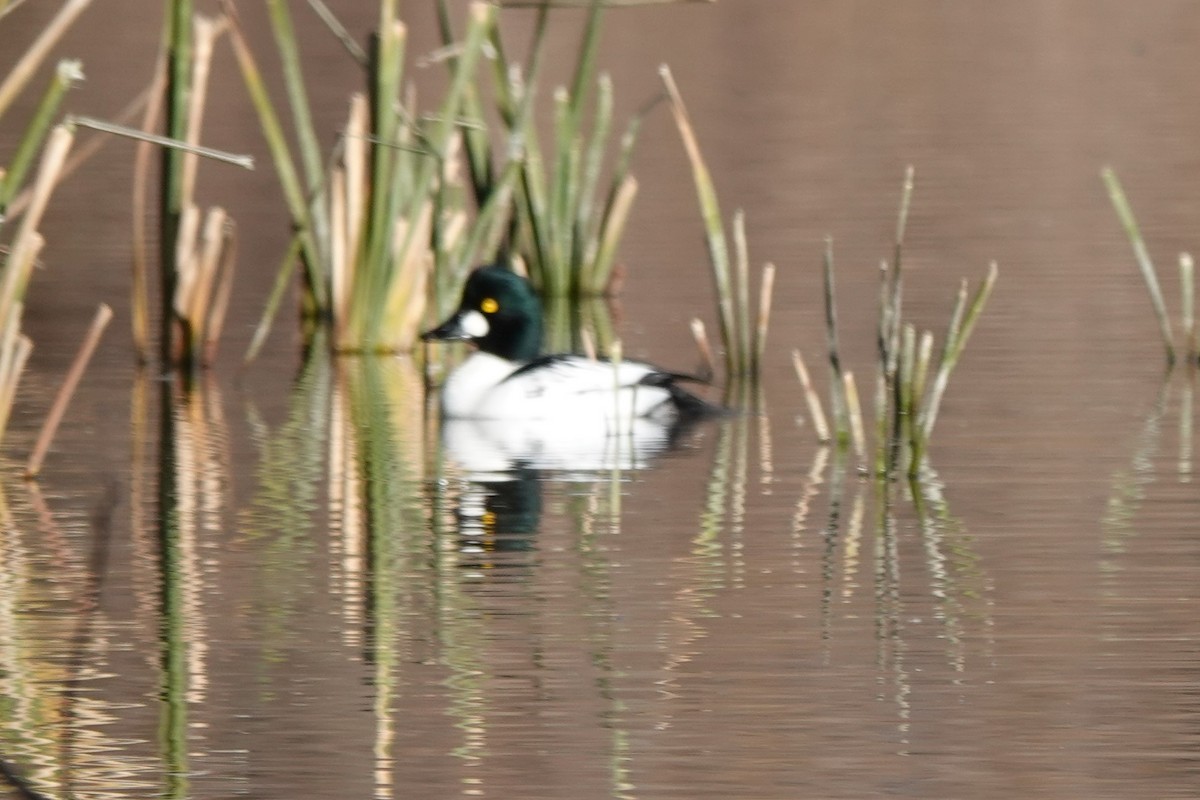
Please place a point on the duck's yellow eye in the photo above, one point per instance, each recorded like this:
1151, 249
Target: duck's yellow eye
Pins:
489, 305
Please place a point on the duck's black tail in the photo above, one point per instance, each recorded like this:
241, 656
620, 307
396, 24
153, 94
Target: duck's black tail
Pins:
688, 405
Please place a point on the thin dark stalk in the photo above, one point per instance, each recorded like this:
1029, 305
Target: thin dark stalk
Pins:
178, 18
836, 385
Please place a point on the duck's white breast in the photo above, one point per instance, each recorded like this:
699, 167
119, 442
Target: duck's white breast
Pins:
467, 389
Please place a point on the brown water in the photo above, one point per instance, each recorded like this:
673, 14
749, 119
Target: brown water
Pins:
740, 619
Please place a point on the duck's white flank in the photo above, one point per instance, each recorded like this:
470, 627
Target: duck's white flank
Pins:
485, 387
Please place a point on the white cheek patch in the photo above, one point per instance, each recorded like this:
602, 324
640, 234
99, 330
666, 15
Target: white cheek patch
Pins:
474, 324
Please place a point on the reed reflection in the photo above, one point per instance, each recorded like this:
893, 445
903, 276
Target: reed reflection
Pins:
194, 480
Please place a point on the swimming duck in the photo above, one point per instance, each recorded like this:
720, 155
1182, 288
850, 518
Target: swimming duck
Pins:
507, 377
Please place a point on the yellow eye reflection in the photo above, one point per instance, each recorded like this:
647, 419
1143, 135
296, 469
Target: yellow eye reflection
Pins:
489, 305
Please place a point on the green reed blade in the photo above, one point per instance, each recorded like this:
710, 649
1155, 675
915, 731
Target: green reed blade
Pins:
710, 210
483, 237
621, 191
585, 66
585, 234
67, 75
297, 92
418, 191
339, 30
961, 325
1142, 255
316, 268
556, 273
616, 214
283, 279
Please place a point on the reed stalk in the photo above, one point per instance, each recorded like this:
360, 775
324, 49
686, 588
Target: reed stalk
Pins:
1142, 256
907, 400
178, 19
65, 392
836, 385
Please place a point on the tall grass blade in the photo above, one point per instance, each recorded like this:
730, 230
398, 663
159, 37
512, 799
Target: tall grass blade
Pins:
339, 30
1142, 255
961, 326
316, 278
710, 210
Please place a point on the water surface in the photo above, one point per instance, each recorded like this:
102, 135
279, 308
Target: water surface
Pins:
281, 585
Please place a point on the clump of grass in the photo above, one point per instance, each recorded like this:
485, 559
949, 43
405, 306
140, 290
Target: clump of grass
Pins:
907, 402
566, 223
198, 247
1149, 274
744, 339
370, 226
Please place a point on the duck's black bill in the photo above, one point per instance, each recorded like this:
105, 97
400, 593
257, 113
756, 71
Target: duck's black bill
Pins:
449, 331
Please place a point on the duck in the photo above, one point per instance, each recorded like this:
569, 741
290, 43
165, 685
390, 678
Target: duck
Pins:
509, 378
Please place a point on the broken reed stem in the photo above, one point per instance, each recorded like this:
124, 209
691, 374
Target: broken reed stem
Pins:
1187, 288
237, 159
67, 390
28, 242
820, 425
742, 272
14, 353
854, 412
766, 294
700, 335
1142, 255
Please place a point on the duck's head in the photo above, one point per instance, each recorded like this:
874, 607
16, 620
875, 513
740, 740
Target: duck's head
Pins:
499, 313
